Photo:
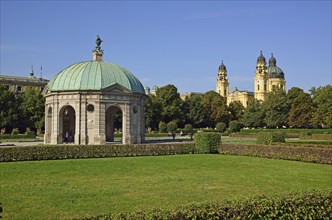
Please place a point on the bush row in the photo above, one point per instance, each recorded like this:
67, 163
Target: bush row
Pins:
29, 134
55, 152
270, 137
289, 130
316, 136
312, 205
254, 135
299, 153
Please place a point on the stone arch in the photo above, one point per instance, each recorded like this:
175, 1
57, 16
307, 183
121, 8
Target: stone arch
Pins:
110, 120
67, 124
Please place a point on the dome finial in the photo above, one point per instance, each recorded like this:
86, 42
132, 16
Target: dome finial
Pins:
98, 52
261, 52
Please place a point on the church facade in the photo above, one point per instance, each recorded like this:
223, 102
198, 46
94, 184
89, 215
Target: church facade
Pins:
266, 79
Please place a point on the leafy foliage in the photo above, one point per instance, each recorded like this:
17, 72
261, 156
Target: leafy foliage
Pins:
301, 111
236, 110
310, 205
322, 98
298, 153
207, 142
270, 137
162, 127
55, 152
171, 104
195, 113
276, 109
234, 126
221, 127
172, 126
33, 107
216, 108
253, 115
9, 109
188, 128
152, 112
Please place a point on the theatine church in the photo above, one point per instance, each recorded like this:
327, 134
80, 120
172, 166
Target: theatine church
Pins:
267, 79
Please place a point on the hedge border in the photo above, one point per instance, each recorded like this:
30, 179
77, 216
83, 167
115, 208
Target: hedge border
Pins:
321, 155
308, 205
58, 152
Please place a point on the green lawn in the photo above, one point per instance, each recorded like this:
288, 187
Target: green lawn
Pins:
77, 188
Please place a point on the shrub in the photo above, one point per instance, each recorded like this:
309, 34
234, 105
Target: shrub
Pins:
221, 127
188, 128
306, 153
312, 205
207, 142
234, 126
172, 126
162, 127
270, 137
15, 131
56, 152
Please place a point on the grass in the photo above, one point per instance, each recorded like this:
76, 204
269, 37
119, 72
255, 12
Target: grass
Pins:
77, 188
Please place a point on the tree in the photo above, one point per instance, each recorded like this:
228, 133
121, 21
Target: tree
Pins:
152, 112
276, 109
236, 110
195, 112
9, 109
172, 126
221, 127
322, 98
292, 94
216, 108
171, 104
188, 128
253, 115
162, 127
33, 108
234, 126
301, 111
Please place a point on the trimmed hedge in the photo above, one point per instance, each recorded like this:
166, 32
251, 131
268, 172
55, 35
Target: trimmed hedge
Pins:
18, 136
299, 153
55, 152
316, 136
312, 205
269, 138
207, 142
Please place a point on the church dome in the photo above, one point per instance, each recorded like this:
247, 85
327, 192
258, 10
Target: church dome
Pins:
275, 72
222, 67
94, 75
272, 61
261, 58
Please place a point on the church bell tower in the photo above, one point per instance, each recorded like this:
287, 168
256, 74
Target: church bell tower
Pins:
261, 78
222, 81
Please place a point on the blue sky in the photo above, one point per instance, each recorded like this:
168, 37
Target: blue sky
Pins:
171, 42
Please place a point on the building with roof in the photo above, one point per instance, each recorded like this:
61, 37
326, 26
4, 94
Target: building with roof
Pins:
19, 84
83, 100
266, 79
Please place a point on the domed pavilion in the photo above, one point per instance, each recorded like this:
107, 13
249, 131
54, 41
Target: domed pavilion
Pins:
83, 100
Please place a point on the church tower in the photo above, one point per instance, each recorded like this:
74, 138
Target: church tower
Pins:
222, 81
261, 78
276, 76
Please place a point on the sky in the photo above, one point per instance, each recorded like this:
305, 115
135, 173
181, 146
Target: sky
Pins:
171, 42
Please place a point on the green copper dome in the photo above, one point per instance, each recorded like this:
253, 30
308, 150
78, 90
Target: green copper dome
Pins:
94, 75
